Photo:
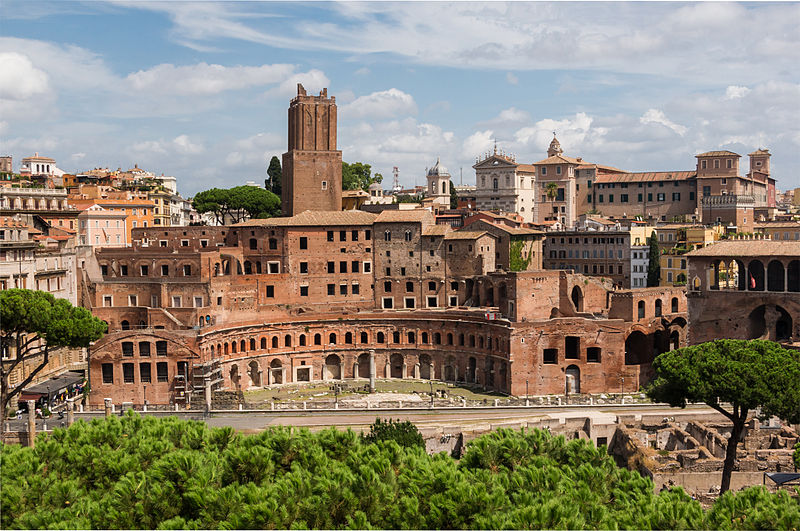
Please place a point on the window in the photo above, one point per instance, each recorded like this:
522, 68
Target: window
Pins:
107, 300
388, 302
661, 197
432, 286
640, 309
354, 266
623, 198
342, 289
356, 289
387, 286
161, 348
127, 348
324, 185
354, 235
572, 347
330, 235
331, 289
176, 301
127, 372
409, 287
367, 235
271, 292
144, 373
104, 270
317, 339
304, 268
144, 348
108, 373
407, 235
593, 354
550, 355
303, 242
387, 236
123, 270
433, 302
162, 375
143, 270
367, 267
342, 235
331, 267
343, 267
304, 291
132, 300
410, 302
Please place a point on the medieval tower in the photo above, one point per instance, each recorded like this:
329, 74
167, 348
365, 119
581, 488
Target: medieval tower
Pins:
312, 167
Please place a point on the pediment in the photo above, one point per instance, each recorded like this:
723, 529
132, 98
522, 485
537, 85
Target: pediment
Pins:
494, 161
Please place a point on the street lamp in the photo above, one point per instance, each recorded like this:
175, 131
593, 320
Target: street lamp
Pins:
526, 388
622, 390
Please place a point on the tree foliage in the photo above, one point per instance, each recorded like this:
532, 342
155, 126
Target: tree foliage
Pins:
275, 173
237, 203
734, 377
654, 264
403, 433
516, 261
134, 473
358, 176
453, 196
551, 189
33, 324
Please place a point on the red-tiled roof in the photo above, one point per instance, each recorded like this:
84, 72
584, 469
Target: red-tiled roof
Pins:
646, 177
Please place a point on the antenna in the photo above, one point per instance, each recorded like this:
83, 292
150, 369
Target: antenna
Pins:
461, 178
395, 179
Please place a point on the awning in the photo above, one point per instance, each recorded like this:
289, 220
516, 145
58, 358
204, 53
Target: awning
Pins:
782, 478
54, 385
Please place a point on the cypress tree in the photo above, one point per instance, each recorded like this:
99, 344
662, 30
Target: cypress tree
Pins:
654, 266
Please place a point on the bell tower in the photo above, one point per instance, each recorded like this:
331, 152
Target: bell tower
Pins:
312, 167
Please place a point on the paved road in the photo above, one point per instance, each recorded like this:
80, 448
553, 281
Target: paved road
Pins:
256, 421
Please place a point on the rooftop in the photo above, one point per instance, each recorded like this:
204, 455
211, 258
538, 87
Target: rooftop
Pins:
465, 235
311, 218
403, 216
651, 176
718, 154
760, 248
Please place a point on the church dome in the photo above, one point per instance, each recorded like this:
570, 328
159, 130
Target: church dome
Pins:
438, 170
374, 186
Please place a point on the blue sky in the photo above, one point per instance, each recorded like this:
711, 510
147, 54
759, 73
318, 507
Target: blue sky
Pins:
200, 90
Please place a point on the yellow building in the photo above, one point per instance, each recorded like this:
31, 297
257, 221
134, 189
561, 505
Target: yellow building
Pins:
161, 211
677, 240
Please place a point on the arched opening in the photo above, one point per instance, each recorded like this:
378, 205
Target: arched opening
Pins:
424, 338
252, 344
381, 337
425, 367
263, 343
396, 366
125, 325
756, 280
449, 338
234, 376
577, 298
364, 338
674, 307
640, 310
674, 340
775, 276
437, 338
741, 276
242, 345
503, 378
333, 367
274, 341
450, 369
317, 339
302, 340
248, 268
395, 337
332, 339
793, 276
255, 373
658, 308
472, 366
276, 370
489, 371
572, 384
637, 348
226, 349
363, 365
233, 347
287, 340
258, 267
770, 322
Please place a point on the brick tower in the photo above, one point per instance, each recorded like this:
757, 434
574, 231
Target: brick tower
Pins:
312, 167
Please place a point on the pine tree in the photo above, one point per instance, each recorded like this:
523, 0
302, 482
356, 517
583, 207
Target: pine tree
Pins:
273, 184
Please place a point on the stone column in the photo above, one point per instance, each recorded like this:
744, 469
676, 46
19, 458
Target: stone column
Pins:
31, 422
207, 389
432, 375
107, 405
405, 370
70, 411
372, 371
416, 371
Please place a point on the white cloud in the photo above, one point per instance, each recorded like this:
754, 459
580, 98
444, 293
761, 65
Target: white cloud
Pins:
734, 92
383, 104
363, 71
20, 80
478, 143
203, 78
184, 146
255, 150
3, 127
655, 116
313, 81
511, 78
76, 157
570, 131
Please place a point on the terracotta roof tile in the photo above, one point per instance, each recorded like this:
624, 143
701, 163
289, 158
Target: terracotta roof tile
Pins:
718, 154
646, 177
465, 235
437, 230
311, 218
403, 216
748, 248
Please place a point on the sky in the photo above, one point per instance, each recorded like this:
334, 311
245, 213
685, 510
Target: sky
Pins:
200, 90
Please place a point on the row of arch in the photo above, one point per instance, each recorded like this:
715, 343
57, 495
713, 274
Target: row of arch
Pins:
18, 203
487, 370
396, 337
658, 308
753, 276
